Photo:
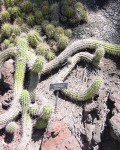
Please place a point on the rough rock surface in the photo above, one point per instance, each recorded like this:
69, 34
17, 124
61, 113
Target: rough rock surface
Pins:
59, 137
7, 74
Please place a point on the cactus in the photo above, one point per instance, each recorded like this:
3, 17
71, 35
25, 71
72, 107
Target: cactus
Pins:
6, 30
59, 31
50, 55
44, 24
68, 32
26, 121
33, 109
45, 10
16, 30
25, 100
50, 30
22, 47
38, 65
80, 11
6, 43
11, 127
68, 12
34, 38
5, 16
38, 17
41, 124
46, 113
19, 21
26, 6
16, 12
30, 20
63, 42
88, 94
9, 3
42, 49
100, 51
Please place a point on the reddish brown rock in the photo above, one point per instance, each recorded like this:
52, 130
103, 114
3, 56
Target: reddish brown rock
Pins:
7, 73
59, 137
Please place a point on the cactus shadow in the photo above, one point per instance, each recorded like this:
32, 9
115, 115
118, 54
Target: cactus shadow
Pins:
37, 134
8, 138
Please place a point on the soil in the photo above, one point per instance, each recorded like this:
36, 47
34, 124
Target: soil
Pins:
87, 121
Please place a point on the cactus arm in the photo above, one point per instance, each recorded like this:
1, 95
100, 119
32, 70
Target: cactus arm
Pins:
77, 46
73, 61
34, 75
99, 54
93, 89
26, 132
88, 94
4, 55
22, 47
26, 121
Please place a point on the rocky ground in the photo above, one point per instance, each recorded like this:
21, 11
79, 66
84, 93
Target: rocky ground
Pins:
92, 125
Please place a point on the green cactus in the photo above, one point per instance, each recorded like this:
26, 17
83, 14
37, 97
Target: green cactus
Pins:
33, 109
100, 52
68, 32
19, 21
6, 43
50, 30
88, 94
9, 3
59, 31
42, 49
16, 12
6, 29
50, 55
41, 124
30, 20
63, 42
5, 16
16, 30
26, 6
80, 11
46, 113
44, 24
22, 48
68, 12
38, 17
34, 38
25, 100
38, 65
11, 127
45, 10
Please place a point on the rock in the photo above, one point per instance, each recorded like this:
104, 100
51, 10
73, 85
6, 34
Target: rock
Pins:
7, 74
115, 126
58, 136
7, 98
89, 128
